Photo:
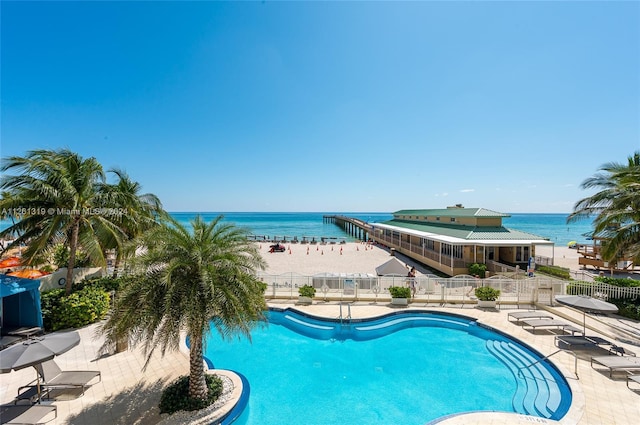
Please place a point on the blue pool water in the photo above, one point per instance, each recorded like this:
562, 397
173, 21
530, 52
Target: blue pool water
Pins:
408, 368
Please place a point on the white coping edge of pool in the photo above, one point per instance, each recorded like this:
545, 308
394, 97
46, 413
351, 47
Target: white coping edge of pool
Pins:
573, 416
208, 415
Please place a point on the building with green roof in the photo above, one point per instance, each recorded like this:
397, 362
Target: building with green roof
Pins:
450, 239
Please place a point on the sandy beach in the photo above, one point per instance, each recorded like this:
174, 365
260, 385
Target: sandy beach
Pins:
357, 257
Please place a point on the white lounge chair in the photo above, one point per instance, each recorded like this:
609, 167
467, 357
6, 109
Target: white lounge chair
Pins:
27, 414
551, 323
520, 315
616, 363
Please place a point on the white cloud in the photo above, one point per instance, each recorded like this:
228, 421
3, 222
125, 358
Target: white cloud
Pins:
467, 190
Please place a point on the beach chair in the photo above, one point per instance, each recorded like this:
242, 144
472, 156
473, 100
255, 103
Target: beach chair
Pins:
520, 315
550, 323
617, 363
585, 342
27, 414
55, 378
633, 378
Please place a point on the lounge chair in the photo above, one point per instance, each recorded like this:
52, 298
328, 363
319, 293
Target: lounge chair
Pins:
546, 323
615, 363
520, 315
55, 378
562, 341
27, 414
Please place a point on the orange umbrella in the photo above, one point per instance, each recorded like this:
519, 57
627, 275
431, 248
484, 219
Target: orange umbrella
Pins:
28, 274
10, 262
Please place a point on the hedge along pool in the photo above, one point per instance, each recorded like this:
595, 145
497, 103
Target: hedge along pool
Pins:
406, 368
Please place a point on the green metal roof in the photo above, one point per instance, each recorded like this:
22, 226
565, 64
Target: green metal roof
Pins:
454, 212
466, 232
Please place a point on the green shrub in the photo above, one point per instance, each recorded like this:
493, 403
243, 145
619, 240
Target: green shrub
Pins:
560, 272
107, 283
61, 255
616, 281
80, 308
487, 293
176, 396
399, 292
307, 291
49, 302
627, 307
477, 269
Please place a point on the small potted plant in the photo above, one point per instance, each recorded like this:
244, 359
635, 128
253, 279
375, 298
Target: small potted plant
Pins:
399, 295
487, 296
306, 294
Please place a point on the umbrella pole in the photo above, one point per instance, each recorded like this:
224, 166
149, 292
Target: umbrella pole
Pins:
39, 390
38, 384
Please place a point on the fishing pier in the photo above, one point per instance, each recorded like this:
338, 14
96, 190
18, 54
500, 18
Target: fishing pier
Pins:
354, 227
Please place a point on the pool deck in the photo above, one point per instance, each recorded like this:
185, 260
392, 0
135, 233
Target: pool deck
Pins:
129, 395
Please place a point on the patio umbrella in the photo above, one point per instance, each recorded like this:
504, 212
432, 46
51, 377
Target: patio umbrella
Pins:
10, 262
36, 350
28, 273
586, 303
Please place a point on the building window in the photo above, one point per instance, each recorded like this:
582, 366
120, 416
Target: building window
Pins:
437, 218
453, 219
522, 253
428, 244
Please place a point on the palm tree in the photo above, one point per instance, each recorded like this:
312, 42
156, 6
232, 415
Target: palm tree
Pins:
194, 280
617, 208
55, 197
136, 212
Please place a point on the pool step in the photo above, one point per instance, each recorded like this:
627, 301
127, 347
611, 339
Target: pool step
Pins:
537, 392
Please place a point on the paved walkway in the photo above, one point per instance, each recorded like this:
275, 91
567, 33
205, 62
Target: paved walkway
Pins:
128, 395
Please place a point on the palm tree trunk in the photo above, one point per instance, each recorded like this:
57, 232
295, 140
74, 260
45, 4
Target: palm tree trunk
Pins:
116, 264
73, 246
197, 383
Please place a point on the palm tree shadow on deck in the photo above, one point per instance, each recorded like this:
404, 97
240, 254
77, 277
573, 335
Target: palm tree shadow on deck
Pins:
135, 405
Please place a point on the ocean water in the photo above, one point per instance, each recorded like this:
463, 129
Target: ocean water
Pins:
550, 226
554, 227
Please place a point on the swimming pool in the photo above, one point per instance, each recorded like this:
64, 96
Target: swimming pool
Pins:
406, 368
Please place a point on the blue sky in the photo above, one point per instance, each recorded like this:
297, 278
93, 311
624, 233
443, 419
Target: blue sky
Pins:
329, 106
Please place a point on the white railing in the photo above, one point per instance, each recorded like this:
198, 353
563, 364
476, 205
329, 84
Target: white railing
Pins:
602, 290
429, 289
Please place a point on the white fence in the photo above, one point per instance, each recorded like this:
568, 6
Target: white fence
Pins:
602, 290
429, 289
